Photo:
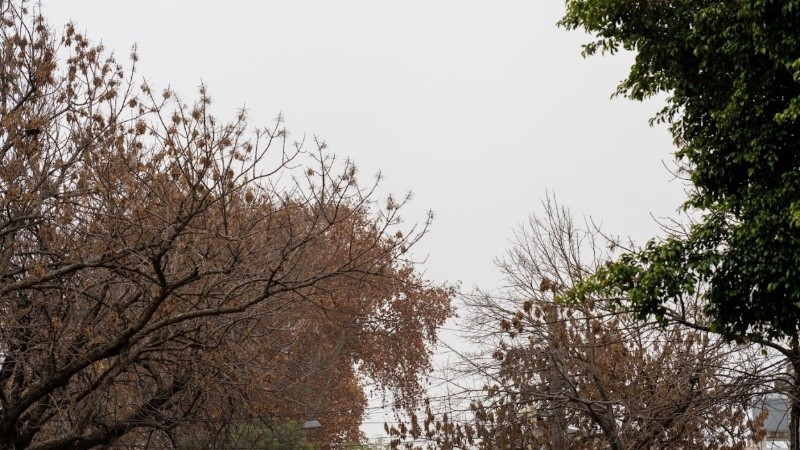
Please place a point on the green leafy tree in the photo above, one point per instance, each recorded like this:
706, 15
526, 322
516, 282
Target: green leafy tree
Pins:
731, 70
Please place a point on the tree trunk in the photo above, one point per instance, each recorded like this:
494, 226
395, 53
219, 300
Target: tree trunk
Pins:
794, 401
558, 429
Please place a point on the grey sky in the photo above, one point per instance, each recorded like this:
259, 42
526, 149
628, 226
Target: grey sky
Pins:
479, 108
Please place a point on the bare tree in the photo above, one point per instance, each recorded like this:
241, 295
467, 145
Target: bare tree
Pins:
159, 267
588, 375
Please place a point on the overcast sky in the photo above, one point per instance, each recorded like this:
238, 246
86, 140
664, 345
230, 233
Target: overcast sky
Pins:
478, 108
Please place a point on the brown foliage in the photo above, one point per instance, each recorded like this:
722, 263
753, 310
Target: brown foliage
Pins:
163, 272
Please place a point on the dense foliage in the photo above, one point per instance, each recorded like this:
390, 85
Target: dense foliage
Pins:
164, 273
731, 70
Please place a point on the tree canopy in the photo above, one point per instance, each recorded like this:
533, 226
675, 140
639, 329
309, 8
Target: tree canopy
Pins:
731, 70
164, 272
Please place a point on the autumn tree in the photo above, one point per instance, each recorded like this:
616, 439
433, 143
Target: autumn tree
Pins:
731, 75
380, 325
588, 375
164, 272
